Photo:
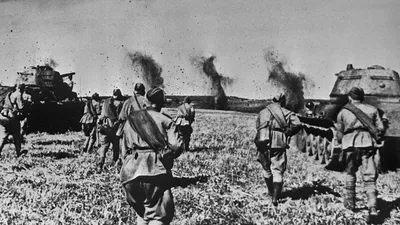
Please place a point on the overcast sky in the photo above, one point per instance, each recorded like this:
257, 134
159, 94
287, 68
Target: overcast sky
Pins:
92, 38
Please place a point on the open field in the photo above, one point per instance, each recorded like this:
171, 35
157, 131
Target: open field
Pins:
55, 184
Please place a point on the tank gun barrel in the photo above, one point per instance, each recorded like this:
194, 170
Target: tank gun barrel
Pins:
67, 74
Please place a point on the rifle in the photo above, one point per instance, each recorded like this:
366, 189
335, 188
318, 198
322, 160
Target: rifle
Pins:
186, 181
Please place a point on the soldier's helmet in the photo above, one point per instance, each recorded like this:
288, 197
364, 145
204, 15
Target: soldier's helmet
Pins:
117, 94
21, 86
156, 95
187, 100
95, 96
280, 98
357, 93
310, 105
139, 88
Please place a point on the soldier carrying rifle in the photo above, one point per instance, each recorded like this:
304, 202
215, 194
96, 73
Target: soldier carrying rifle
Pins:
360, 129
275, 125
146, 173
136, 102
91, 113
109, 123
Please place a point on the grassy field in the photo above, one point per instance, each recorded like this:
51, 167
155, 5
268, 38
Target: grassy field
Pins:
56, 184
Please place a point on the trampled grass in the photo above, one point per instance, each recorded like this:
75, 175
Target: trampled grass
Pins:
56, 184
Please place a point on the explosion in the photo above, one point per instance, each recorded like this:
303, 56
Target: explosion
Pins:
291, 83
149, 69
51, 63
207, 67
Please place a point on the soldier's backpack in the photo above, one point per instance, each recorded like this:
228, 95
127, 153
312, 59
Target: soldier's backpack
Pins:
147, 129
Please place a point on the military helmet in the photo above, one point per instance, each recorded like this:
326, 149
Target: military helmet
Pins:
139, 88
156, 95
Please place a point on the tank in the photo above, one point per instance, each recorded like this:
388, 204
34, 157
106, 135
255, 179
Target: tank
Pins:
56, 107
382, 90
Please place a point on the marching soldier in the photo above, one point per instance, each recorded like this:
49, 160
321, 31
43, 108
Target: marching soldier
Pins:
10, 119
136, 102
184, 120
146, 173
91, 113
109, 124
275, 125
359, 130
21, 97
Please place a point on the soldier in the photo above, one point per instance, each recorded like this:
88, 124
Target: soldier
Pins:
25, 99
184, 120
136, 102
109, 124
10, 119
359, 128
146, 174
91, 113
275, 125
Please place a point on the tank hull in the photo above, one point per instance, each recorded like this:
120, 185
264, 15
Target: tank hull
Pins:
54, 117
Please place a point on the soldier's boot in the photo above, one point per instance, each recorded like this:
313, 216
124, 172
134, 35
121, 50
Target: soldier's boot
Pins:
349, 200
2, 143
277, 192
85, 146
370, 188
270, 186
100, 165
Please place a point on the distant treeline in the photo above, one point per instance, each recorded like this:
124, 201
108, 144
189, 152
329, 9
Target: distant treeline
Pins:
207, 102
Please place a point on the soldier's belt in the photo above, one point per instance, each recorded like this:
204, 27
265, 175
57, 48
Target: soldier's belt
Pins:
356, 129
278, 129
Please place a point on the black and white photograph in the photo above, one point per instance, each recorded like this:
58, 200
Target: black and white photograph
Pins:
203, 112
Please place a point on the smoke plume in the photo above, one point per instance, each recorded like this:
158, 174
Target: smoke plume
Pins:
149, 69
52, 63
292, 84
207, 67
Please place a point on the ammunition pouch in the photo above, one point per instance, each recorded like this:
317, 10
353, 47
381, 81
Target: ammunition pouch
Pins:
262, 138
105, 129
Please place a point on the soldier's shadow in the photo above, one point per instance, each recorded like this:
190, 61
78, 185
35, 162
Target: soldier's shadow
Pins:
385, 208
307, 191
52, 142
55, 155
203, 149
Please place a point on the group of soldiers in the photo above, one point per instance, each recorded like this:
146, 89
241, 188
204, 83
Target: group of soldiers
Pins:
107, 123
149, 141
146, 140
359, 130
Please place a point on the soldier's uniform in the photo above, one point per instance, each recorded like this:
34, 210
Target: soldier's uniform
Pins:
136, 102
10, 120
272, 142
184, 119
91, 113
21, 97
108, 122
146, 173
359, 147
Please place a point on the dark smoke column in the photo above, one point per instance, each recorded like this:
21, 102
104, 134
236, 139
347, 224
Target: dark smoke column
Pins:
149, 69
206, 66
292, 84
